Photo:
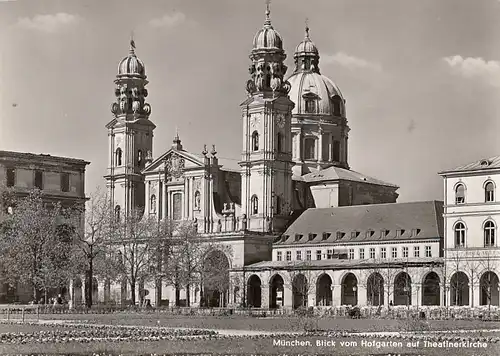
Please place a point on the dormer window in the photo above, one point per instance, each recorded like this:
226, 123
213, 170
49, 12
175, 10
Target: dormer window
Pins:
400, 232
340, 235
298, 237
384, 233
326, 236
310, 106
369, 233
311, 237
255, 141
415, 232
354, 234
337, 105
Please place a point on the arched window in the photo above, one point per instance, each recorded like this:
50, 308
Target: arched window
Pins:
337, 106
278, 205
139, 158
118, 157
152, 207
460, 194
254, 205
255, 141
117, 213
310, 148
279, 142
489, 234
310, 106
459, 235
336, 151
489, 192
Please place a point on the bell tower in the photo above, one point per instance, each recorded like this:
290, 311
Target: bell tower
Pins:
130, 134
266, 162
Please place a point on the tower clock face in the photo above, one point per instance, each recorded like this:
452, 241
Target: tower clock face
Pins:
281, 120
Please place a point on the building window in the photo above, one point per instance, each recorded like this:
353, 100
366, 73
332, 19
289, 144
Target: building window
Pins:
298, 255
117, 213
318, 255
65, 182
308, 255
11, 177
139, 158
177, 206
489, 192
279, 142
329, 254
416, 251
38, 179
372, 252
254, 205
489, 234
310, 148
361, 253
394, 252
288, 255
336, 151
337, 106
310, 106
278, 256
278, 205
383, 252
428, 251
351, 254
118, 157
405, 251
460, 194
255, 141
152, 206
459, 235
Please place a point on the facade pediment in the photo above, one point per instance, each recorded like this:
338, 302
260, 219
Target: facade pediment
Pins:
174, 161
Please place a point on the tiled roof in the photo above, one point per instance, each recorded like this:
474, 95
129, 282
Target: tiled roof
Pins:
41, 157
361, 223
485, 163
336, 173
340, 263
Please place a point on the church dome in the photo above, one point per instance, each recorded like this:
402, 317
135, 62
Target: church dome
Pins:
312, 92
312, 86
131, 65
267, 37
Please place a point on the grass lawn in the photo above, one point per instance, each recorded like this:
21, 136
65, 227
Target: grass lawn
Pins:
271, 324
246, 346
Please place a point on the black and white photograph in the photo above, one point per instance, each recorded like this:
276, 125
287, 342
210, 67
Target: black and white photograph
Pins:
250, 177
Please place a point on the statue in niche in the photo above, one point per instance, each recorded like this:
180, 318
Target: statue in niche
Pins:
197, 200
268, 224
219, 225
243, 222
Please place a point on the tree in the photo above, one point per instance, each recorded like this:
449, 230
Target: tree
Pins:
378, 278
92, 240
214, 272
489, 281
34, 249
138, 240
300, 279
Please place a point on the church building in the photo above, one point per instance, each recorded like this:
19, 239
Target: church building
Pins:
292, 188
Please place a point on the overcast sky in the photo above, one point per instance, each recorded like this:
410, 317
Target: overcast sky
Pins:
421, 78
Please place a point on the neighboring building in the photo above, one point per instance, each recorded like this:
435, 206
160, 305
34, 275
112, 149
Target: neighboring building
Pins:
368, 254
472, 215
61, 179
294, 157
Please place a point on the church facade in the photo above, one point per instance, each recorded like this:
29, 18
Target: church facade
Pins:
291, 182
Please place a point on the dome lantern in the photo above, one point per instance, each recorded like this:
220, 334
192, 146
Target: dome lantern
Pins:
306, 54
